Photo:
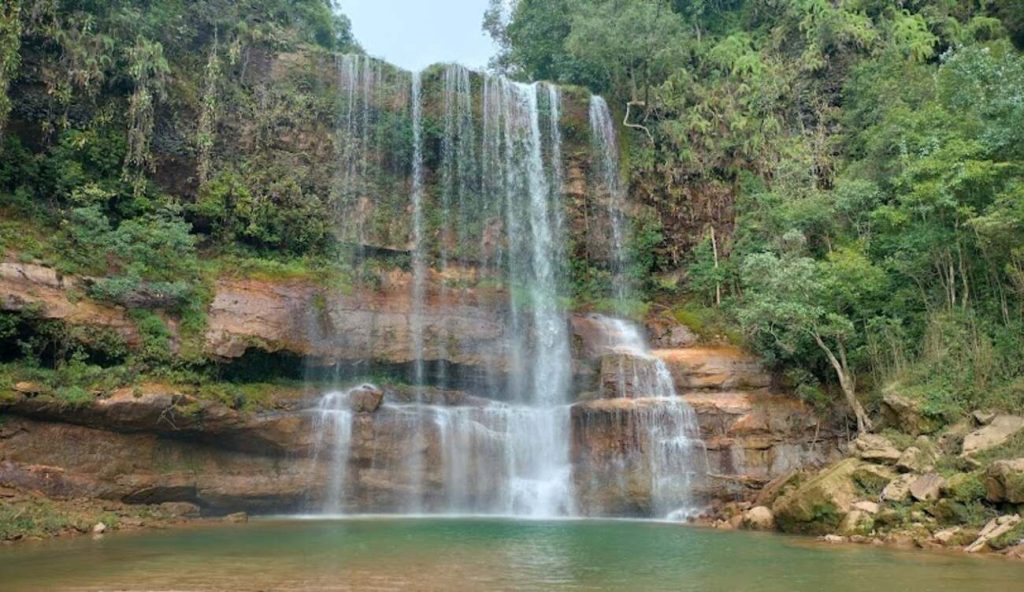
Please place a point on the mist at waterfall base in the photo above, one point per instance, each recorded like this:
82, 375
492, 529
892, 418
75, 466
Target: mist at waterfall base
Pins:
500, 167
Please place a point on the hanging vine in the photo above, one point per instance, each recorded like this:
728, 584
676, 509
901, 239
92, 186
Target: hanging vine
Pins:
148, 69
206, 132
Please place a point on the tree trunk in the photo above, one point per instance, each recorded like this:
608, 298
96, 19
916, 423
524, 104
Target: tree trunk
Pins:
846, 383
718, 284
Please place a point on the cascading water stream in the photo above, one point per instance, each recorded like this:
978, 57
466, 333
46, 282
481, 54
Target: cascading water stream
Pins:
671, 447
609, 181
664, 443
333, 426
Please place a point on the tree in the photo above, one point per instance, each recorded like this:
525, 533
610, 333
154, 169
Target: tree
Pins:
794, 305
635, 43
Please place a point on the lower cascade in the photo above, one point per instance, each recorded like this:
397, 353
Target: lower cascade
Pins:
482, 458
658, 446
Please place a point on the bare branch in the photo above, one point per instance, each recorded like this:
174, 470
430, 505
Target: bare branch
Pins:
626, 123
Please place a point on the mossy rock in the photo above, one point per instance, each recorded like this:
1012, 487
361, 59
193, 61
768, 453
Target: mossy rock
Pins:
907, 413
892, 517
819, 504
871, 480
1004, 481
1009, 539
856, 522
947, 511
965, 487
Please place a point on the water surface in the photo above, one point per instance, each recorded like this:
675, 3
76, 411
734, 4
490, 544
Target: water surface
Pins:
483, 554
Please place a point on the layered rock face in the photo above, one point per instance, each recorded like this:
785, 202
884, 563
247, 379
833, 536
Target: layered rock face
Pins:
352, 326
150, 450
153, 444
27, 287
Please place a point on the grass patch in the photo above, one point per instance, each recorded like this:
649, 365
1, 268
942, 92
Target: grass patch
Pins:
30, 239
37, 518
708, 323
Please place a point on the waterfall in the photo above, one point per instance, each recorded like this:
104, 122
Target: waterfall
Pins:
540, 361
484, 198
362, 82
669, 448
459, 186
413, 462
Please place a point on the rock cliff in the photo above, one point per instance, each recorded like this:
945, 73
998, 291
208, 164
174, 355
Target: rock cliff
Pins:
155, 443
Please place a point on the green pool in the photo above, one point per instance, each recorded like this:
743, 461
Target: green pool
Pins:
483, 554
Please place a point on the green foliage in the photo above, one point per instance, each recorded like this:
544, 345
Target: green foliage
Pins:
634, 43
644, 239
41, 519
155, 349
74, 396
967, 488
152, 257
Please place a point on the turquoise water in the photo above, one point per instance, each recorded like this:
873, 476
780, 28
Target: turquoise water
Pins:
483, 554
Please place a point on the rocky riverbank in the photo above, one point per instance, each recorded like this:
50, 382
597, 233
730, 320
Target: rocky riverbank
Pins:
961, 487
27, 515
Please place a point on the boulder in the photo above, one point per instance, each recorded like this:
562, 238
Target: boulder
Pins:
996, 528
947, 535
983, 418
875, 448
898, 489
819, 504
856, 522
759, 518
949, 511
866, 506
996, 433
30, 389
365, 399
99, 528
927, 487
906, 414
915, 460
952, 439
180, 509
774, 488
237, 518
1004, 481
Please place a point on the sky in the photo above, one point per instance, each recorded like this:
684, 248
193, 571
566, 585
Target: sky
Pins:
416, 33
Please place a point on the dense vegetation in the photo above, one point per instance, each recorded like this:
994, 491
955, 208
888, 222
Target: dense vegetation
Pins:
139, 148
841, 179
